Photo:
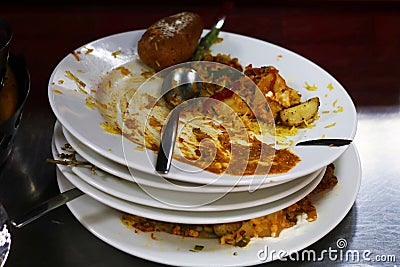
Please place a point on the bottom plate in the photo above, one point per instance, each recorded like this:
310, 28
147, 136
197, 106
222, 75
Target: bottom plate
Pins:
104, 223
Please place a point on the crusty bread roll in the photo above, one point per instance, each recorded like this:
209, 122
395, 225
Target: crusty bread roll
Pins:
170, 40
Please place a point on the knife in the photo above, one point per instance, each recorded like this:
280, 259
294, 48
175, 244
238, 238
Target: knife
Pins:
325, 142
46, 206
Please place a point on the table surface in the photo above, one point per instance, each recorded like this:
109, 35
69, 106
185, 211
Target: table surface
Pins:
357, 42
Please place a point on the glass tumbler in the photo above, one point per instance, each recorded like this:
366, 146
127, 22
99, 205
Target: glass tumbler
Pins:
14, 89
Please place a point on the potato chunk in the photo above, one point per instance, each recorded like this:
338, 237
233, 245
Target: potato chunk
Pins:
301, 113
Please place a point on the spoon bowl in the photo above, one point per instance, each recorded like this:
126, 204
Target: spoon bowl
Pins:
5, 236
179, 85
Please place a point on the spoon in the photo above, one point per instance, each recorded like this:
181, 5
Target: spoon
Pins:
179, 85
5, 236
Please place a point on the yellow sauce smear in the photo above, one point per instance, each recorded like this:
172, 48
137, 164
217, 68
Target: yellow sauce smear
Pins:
109, 129
57, 91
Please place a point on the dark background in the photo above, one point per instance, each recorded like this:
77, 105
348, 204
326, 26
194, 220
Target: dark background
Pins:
333, 34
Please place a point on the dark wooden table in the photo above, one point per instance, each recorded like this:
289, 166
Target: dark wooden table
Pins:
358, 42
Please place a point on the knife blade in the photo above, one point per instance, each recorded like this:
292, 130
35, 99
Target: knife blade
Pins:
46, 206
325, 142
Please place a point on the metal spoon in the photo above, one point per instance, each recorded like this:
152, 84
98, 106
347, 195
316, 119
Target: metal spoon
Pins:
178, 86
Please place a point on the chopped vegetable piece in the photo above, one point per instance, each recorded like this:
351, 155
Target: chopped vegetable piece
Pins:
197, 248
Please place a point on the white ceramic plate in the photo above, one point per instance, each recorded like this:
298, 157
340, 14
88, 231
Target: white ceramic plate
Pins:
105, 224
181, 216
185, 216
73, 81
146, 179
181, 200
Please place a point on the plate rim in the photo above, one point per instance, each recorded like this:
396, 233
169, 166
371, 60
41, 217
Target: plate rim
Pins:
77, 145
183, 216
339, 151
137, 197
175, 261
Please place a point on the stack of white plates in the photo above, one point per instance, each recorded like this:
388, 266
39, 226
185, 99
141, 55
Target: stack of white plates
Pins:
124, 179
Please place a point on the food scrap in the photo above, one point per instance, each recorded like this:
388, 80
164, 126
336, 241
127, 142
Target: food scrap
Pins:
310, 87
197, 248
78, 82
116, 53
241, 233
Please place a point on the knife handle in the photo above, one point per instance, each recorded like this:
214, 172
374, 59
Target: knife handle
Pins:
167, 144
325, 142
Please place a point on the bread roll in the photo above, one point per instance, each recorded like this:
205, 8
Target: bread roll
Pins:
171, 40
